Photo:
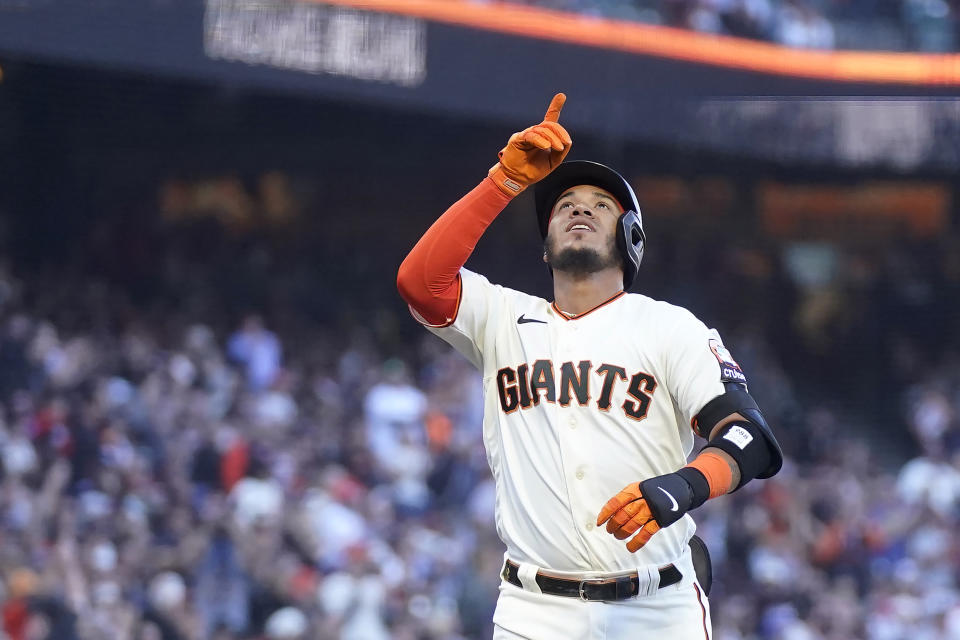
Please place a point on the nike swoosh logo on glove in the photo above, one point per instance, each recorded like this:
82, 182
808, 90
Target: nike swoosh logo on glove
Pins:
672, 499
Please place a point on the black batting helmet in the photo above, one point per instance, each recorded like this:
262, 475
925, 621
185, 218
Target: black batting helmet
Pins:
630, 236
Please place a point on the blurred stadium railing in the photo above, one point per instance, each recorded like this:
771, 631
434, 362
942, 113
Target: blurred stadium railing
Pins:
896, 25
498, 61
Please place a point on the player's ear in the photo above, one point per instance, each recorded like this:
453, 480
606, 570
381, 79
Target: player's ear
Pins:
544, 256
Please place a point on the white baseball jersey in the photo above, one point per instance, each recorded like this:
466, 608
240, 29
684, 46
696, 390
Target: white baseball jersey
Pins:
578, 407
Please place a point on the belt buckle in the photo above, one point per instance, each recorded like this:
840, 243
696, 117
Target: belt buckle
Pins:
583, 596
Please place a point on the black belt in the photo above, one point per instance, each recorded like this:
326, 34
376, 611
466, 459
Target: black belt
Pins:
619, 588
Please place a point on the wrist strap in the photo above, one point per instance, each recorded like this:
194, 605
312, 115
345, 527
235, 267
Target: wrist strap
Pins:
699, 487
504, 183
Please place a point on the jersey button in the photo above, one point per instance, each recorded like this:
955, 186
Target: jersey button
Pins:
589, 526
580, 474
573, 422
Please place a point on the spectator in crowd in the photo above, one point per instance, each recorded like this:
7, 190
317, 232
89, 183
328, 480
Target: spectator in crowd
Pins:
257, 349
176, 478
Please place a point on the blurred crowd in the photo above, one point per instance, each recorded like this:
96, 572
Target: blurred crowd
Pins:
172, 482
916, 25
178, 465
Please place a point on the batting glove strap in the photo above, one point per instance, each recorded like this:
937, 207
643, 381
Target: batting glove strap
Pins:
504, 182
672, 495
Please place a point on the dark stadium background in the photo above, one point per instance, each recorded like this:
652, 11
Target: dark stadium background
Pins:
154, 209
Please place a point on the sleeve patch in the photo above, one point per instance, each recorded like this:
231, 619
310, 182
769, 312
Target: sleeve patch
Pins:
730, 371
738, 436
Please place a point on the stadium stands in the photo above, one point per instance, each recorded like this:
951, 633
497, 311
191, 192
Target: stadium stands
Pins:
173, 464
903, 25
217, 419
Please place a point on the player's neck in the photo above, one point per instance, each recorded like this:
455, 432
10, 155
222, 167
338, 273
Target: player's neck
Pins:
579, 295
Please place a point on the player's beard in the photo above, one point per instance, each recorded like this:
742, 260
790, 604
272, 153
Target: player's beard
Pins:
580, 262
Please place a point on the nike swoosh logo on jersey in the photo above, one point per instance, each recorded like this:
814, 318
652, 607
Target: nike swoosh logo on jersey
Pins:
523, 320
672, 499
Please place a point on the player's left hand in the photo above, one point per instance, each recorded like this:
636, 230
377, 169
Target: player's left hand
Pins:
646, 507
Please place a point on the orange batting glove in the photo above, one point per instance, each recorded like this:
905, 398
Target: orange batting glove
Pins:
627, 513
643, 508
533, 153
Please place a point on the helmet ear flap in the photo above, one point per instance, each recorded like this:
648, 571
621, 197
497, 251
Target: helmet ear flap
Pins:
630, 243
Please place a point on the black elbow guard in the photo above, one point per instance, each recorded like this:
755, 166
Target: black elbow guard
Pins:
749, 442
743, 441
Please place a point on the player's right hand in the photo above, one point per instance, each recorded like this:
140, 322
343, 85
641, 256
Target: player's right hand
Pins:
531, 154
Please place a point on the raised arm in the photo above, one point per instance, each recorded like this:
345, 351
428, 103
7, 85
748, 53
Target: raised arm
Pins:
428, 279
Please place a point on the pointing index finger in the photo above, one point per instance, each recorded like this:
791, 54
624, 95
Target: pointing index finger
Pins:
553, 111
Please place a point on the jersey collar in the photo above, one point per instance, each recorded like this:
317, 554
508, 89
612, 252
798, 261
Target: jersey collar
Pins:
567, 316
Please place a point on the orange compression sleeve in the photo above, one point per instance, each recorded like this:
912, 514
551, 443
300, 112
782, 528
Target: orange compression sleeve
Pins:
717, 472
429, 278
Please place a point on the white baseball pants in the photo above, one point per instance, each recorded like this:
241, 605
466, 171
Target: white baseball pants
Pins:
678, 612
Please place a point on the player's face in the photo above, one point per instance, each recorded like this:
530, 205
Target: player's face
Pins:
581, 235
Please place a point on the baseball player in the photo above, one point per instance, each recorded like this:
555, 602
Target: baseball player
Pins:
596, 394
